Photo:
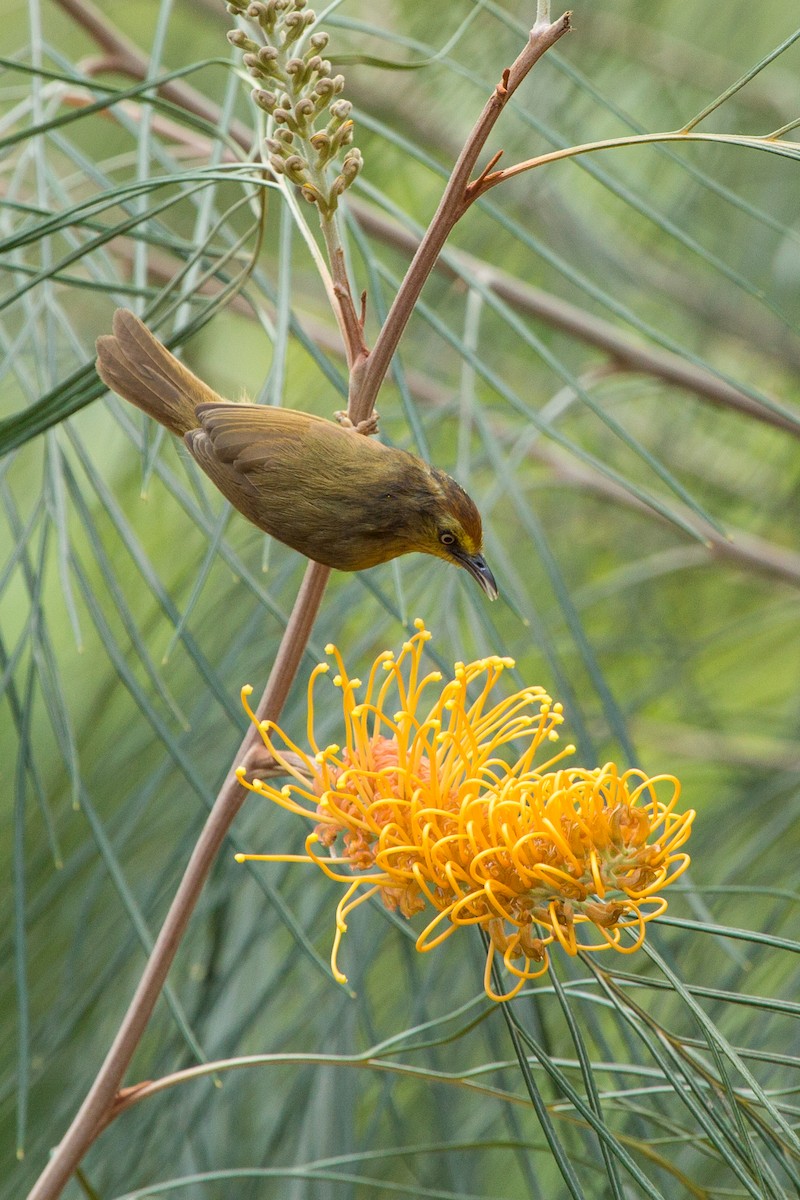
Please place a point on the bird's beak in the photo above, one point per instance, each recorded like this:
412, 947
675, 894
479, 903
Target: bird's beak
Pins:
478, 569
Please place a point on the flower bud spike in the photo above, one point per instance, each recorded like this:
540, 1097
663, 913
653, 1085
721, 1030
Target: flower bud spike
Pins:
303, 98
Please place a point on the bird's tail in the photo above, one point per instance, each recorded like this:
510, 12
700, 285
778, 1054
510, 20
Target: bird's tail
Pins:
134, 364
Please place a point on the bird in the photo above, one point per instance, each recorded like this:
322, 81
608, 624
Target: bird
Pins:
340, 498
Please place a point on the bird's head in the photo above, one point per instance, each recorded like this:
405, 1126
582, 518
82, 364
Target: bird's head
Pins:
450, 528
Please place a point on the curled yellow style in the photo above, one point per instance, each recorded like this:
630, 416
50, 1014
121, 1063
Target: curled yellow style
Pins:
418, 807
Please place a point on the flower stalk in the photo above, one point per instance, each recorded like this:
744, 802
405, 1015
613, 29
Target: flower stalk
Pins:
295, 87
308, 127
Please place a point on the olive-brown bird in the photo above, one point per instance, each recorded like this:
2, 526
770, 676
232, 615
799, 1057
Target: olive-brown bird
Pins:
338, 497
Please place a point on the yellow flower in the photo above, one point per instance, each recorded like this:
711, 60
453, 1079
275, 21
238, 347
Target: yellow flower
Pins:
419, 807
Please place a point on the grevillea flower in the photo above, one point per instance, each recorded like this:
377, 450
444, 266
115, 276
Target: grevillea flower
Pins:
419, 807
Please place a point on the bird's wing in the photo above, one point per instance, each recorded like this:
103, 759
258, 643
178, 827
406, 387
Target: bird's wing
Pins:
255, 436
296, 476
267, 443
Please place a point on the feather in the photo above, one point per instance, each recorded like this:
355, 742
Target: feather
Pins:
134, 364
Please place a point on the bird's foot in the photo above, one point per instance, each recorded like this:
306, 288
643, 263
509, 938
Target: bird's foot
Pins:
368, 426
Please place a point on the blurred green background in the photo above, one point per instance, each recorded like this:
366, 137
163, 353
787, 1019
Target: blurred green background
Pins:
644, 534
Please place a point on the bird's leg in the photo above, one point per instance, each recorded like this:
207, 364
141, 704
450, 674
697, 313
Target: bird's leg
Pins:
368, 426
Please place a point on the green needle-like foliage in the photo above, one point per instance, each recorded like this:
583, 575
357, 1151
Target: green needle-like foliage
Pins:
606, 357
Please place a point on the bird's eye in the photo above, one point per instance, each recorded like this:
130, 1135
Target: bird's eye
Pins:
447, 539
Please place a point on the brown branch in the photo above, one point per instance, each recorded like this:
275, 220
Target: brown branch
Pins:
739, 548
99, 1105
366, 376
626, 353
594, 331
559, 313
129, 60
452, 206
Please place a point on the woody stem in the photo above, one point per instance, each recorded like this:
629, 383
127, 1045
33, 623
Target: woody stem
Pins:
455, 200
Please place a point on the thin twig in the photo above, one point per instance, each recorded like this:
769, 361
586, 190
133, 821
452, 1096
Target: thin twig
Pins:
739, 548
594, 331
452, 206
350, 320
749, 141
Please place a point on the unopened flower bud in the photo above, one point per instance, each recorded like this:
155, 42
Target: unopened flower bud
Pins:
353, 162
340, 110
318, 41
263, 13
267, 56
252, 64
295, 167
310, 193
263, 99
324, 89
321, 143
294, 24
239, 39
342, 136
